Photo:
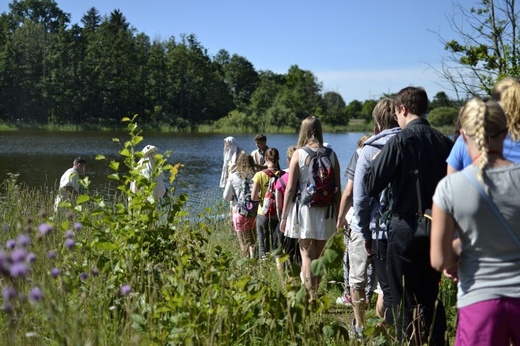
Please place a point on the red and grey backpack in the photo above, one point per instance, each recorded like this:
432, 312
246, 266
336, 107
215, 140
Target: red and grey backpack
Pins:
269, 203
321, 184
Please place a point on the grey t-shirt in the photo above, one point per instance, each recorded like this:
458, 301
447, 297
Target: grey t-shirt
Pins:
490, 260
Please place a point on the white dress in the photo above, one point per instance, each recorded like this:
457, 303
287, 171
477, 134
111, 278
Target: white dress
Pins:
304, 222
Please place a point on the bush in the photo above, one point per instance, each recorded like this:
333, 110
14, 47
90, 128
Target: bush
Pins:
443, 116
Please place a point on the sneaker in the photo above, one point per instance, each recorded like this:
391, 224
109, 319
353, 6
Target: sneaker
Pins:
344, 300
357, 332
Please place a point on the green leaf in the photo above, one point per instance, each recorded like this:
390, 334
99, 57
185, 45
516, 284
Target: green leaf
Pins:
83, 199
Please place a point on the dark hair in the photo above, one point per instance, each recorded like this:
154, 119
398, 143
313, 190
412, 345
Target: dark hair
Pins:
272, 155
79, 159
260, 138
414, 99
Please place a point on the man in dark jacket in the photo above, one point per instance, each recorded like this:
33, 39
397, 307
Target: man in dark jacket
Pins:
412, 162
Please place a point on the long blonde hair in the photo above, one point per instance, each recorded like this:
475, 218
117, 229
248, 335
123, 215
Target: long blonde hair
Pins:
482, 120
310, 132
507, 93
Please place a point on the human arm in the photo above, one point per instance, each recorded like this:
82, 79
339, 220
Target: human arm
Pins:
383, 168
291, 188
345, 204
442, 251
337, 179
362, 202
228, 191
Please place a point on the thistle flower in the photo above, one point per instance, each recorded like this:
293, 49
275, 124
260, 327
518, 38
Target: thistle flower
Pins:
77, 226
18, 255
8, 293
55, 272
69, 234
45, 228
31, 257
35, 295
10, 244
18, 270
70, 243
23, 240
126, 289
83, 276
51, 254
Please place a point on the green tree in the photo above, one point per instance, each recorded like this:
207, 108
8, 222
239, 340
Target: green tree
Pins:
354, 110
440, 100
269, 85
240, 77
367, 109
334, 109
488, 47
443, 116
45, 12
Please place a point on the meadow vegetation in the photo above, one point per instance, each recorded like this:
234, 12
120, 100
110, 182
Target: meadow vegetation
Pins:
124, 270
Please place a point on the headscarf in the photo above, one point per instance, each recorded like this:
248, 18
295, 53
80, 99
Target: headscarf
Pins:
148, 163
231, 151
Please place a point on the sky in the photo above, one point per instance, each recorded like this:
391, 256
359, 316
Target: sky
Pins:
359, 49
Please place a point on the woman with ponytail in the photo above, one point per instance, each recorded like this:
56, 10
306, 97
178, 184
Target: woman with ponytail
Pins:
481, 204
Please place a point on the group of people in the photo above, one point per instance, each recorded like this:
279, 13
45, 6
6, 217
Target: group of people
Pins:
402, 183
69, 186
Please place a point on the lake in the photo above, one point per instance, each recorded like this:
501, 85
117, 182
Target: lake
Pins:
41, 157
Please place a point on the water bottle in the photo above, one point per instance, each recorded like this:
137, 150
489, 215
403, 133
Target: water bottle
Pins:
311, 190
309, 194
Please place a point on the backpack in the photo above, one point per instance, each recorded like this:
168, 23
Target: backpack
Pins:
245, 205
321, 185
269, 203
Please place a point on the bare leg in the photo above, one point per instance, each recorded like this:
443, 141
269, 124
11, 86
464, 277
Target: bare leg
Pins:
310, 250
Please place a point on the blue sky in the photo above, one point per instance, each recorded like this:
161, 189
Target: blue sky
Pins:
360, 49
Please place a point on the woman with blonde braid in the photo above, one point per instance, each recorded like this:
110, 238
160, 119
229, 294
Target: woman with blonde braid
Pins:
507, 93
481, 204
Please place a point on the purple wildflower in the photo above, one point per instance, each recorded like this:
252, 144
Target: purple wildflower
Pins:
10, 244
126, 289
31, 257
51, 254
18, 255
70, 243
83, 276
55, 272
77, 226
45, 228
18, 270
35, 295
23, 240
69, 234
8, 293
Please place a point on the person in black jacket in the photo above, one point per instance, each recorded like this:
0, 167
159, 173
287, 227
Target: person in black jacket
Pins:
412, 162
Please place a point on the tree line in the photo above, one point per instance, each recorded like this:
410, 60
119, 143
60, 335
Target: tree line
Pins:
97, 71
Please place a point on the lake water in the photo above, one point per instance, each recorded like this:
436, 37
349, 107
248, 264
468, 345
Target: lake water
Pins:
41, 157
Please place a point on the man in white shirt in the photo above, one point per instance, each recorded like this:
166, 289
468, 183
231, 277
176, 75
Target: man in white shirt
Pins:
258, 154
69, 182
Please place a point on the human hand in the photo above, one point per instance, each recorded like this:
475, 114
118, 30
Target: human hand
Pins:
452, 272
368, 246
283, 223
341, 223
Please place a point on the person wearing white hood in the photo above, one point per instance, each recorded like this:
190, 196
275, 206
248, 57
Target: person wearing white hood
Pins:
146, 166
231, 153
